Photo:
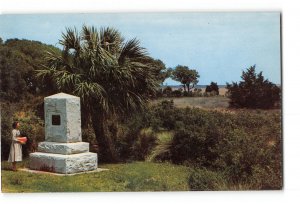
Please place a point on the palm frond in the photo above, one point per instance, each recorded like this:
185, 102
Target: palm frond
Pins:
66, 80
132, 50
70, 39
45, 73
90, 90
111, 39
91, 37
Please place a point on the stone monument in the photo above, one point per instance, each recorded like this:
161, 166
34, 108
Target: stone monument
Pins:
63, 151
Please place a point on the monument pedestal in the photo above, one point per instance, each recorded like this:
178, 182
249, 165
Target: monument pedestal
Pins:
63, 148
63, 151
65, 164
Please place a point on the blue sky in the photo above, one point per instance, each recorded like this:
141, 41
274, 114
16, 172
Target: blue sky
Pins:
218, 45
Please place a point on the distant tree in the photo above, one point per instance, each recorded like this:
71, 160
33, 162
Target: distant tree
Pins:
187, 77
111, 76
253, 92
213, 87
162, 72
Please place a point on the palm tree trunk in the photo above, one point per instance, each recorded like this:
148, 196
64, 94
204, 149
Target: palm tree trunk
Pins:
107, 151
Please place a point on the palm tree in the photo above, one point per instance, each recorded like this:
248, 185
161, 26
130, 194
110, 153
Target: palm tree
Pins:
111, 76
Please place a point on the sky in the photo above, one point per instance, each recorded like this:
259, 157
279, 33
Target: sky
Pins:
218, 45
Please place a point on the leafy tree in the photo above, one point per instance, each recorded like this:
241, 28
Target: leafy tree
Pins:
254, 91
13, 70
164, 74
213, 87
112, 77
18, 60
187, 77
161, 71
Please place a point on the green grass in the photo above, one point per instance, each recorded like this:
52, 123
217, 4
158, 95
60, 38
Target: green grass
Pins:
199, 102
137, 176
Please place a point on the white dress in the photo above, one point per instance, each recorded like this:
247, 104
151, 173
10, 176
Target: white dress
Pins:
15, 153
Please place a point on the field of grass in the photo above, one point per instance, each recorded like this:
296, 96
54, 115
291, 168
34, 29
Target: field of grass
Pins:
137, 176
213, 102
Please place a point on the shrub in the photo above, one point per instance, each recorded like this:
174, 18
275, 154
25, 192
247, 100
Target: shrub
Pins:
6, 122
205, 94
164, 113
88, 135
176, 93
161, 152
186, 145
246, 145
205, 180
135, 146
266, 178
167, 91
127, 134
144, 144
197, 92
31, 126
135, 135
213, 87
187, 94
253, 92
195, 141
159, 93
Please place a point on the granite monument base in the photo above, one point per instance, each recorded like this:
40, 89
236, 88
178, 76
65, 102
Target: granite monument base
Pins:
65, 164
63, 148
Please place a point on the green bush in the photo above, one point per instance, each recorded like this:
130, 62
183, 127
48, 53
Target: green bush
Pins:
6, 128
134, 138
164, 114
205, 180
176, 93
31, 126
187, 146
135, 146
187, 94
88, 135
266, 178
245, 145
212, 88
167, 91
253, 92
197, 92
161, 152
144, 144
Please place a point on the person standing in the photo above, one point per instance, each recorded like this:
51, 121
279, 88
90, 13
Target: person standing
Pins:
15, 154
